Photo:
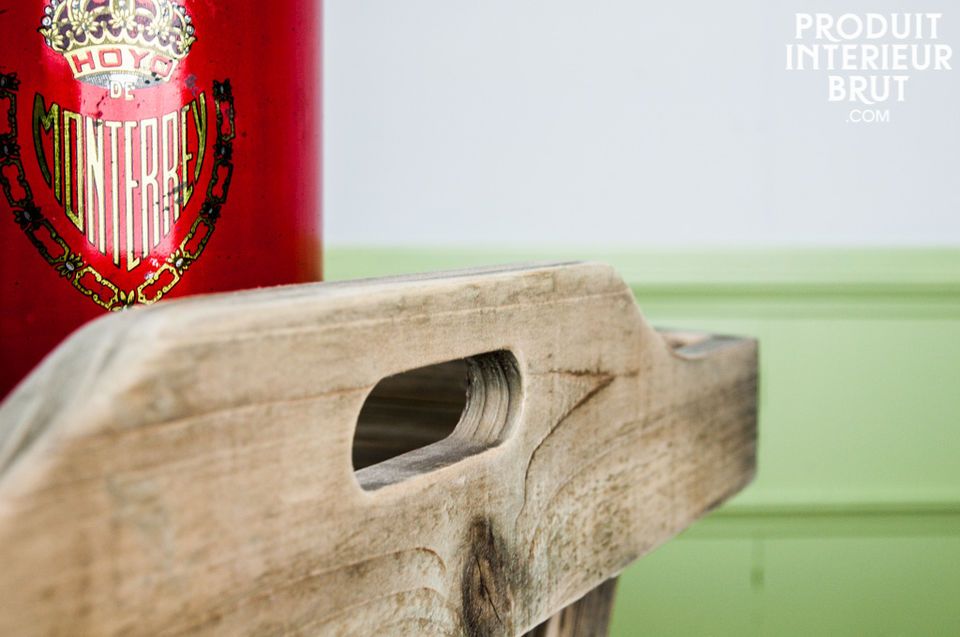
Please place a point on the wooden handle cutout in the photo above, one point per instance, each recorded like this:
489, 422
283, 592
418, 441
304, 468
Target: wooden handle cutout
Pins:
431, 417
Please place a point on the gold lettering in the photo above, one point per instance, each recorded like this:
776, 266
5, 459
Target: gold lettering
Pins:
186, 188
123, 184
131, 184
46, 120
114, 128
149, 203
170, 184
96, 224
199, 107
73, 214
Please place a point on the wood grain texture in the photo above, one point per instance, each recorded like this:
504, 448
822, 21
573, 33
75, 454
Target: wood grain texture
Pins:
586, 617
186, 469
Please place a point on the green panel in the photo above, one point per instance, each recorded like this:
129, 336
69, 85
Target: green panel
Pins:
791, 284
878, 586
783, 588
782, 271
853, 524
690, 588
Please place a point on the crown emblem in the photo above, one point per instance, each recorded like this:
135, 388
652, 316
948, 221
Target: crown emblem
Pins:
132, 42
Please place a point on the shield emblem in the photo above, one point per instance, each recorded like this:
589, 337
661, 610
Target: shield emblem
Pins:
134, 152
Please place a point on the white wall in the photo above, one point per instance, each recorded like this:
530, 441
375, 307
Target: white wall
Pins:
612, 122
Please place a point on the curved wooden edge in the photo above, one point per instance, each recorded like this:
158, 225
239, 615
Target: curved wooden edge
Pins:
692, 345
186, 468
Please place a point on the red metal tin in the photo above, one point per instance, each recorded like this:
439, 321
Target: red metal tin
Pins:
151, 149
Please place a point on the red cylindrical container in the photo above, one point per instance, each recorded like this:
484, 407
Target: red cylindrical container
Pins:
151, 149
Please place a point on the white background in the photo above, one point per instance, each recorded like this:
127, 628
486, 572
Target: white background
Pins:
620, 122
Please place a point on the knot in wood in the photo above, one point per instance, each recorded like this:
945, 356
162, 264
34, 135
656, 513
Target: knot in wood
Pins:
492, 578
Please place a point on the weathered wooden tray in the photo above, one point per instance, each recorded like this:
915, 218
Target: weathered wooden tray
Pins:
188, 469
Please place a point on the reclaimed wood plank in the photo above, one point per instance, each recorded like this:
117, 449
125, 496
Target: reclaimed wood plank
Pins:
187, 469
